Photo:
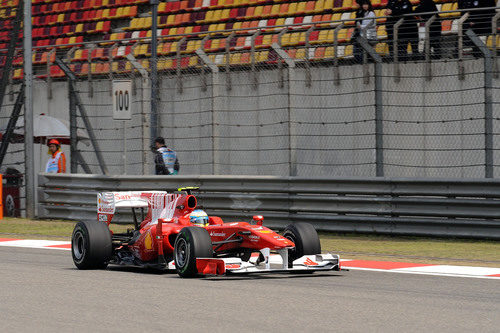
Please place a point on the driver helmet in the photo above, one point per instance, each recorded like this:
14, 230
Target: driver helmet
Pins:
199, 218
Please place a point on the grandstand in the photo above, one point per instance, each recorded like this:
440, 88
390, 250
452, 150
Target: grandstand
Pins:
96, 35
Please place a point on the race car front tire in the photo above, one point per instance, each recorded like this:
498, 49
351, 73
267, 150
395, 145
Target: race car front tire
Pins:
306, 240
191, 243
91, 246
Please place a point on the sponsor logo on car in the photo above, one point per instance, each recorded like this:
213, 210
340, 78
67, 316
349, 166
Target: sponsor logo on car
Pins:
309, 262
232, 266
254, 238
217, 234
103, 218
148, 241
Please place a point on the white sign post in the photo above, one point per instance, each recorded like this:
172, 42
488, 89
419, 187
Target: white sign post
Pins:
122, 110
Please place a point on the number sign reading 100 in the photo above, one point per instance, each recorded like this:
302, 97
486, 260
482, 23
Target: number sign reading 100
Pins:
122, 99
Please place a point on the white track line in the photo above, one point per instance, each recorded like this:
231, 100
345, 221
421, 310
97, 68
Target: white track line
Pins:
436, 270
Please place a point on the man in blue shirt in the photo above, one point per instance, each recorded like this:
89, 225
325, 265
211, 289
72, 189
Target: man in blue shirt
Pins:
166, 162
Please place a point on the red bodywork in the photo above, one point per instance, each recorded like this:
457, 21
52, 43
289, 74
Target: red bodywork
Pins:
157, 236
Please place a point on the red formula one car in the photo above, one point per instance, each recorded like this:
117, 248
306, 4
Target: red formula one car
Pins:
175, 235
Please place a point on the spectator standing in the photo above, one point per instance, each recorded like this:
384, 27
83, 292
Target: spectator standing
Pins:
166, 162
57, 159
366, 28
428, 6
479, 20
408, 31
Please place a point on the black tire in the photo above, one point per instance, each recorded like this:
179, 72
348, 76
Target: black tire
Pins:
305, 238
91, 246
191, 243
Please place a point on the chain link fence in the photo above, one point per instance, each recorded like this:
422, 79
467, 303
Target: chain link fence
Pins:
298, 100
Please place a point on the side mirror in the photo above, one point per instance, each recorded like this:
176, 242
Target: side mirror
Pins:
258, 219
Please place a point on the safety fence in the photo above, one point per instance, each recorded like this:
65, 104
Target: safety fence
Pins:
394, 206
282, 98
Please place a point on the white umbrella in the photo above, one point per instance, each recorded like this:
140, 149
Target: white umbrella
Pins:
47, 127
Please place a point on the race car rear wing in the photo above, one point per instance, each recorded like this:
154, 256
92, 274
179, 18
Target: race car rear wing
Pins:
161, 204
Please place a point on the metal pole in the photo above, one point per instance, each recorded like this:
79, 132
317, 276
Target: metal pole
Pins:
292, 135
488, 103
461, 70
428, 65
72, 130
28, 114
124, 149
154, 71
336, 71
395, 50
215, 106
379, 130
494, 26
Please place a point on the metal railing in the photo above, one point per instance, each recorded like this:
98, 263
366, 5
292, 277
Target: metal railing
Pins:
394, 206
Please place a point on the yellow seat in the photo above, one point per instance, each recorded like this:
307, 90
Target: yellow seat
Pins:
224, 14
234, 58
382, 48
301, 54
280, 21
328, 5
262, 56
193, 61
237, 25
170, 20
381, 32
145, 64
119, 12
215, 44
322, 37
79, 28
285, 39
489, 41
330, 52
275, 10
76, 56
319, 6
301, 7
173, 47
348, 51
267, 40
258, 11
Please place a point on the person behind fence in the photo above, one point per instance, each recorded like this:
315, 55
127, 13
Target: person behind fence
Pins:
428, 9
407, 32
480, 21
57, 159
166, 162
366, 28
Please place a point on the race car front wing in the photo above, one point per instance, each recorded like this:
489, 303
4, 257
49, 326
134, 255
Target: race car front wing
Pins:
272, 263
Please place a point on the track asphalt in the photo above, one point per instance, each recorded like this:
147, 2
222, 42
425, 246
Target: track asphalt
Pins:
393, 267
42, 291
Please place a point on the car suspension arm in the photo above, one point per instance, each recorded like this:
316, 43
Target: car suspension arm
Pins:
238, 239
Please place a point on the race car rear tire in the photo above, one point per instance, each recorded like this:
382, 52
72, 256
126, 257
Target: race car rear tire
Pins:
306, 240
191, 243
91, 246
